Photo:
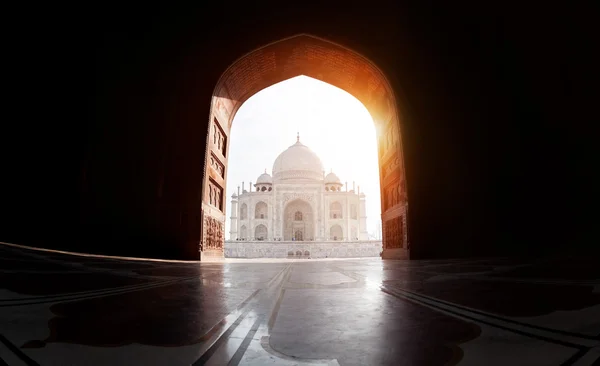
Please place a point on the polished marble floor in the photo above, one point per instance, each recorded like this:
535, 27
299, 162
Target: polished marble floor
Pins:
61, 309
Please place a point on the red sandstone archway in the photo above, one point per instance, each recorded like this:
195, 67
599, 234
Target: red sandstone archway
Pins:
336, 65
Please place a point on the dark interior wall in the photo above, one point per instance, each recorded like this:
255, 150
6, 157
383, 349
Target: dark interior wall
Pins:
109, 114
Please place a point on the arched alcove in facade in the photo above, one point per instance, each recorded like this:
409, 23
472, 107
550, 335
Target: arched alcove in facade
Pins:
260, 210
244, 212
260, 232
336, 233
331, 63
353, 211
298, 221
335, 210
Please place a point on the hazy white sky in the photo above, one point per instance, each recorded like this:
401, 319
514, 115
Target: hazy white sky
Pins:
331, 122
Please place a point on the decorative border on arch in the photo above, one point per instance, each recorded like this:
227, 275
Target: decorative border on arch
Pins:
376, 70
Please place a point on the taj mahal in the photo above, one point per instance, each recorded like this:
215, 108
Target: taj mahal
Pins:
299, 211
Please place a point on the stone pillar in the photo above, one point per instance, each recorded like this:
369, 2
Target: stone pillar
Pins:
279, 217
315, 226
347, 215
233, 232
270, 219
363, 234
320, 205
275, 212
251, 218
239, 221
325, 218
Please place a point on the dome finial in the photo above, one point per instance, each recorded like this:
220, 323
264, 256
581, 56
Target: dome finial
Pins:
265, 170
297, 136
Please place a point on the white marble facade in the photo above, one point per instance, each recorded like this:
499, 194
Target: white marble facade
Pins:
298, 203
304, 249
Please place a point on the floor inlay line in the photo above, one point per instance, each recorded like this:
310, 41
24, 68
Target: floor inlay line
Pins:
214, 345
221, 339
26, 359
581, 338
573, 338
93, 295
237, 357
584, 357
265, 310
465, 315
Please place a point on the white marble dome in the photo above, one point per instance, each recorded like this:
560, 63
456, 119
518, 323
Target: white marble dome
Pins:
264, 178
332, 178
298, 162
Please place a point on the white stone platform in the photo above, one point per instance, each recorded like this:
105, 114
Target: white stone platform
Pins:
302, 249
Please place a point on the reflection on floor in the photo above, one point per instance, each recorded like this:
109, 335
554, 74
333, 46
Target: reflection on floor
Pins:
59, 309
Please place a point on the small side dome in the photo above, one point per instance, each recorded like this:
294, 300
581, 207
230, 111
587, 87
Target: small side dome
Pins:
234, 195
264, 178
331, 178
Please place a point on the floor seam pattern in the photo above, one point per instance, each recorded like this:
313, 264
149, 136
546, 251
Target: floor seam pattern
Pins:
214, 345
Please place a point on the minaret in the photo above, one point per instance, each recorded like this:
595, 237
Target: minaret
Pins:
348, 233
233, 233
362, 227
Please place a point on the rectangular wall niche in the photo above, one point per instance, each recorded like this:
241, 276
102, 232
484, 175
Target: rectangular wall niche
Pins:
219, 138
216, 164
394, 233
393, 195
215, 194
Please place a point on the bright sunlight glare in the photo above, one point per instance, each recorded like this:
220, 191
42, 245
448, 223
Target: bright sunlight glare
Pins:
330, 121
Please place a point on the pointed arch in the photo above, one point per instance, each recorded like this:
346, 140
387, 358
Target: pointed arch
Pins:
336, 232
335, 210
321, 59
260, 232
243, 211
260, 210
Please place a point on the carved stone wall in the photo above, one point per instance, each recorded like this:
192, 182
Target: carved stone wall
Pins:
214, 234
223, 108
394, 194
393, 232
219, 138
215, 195
217, 165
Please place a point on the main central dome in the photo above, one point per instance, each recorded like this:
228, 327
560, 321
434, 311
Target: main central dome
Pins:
298, 162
